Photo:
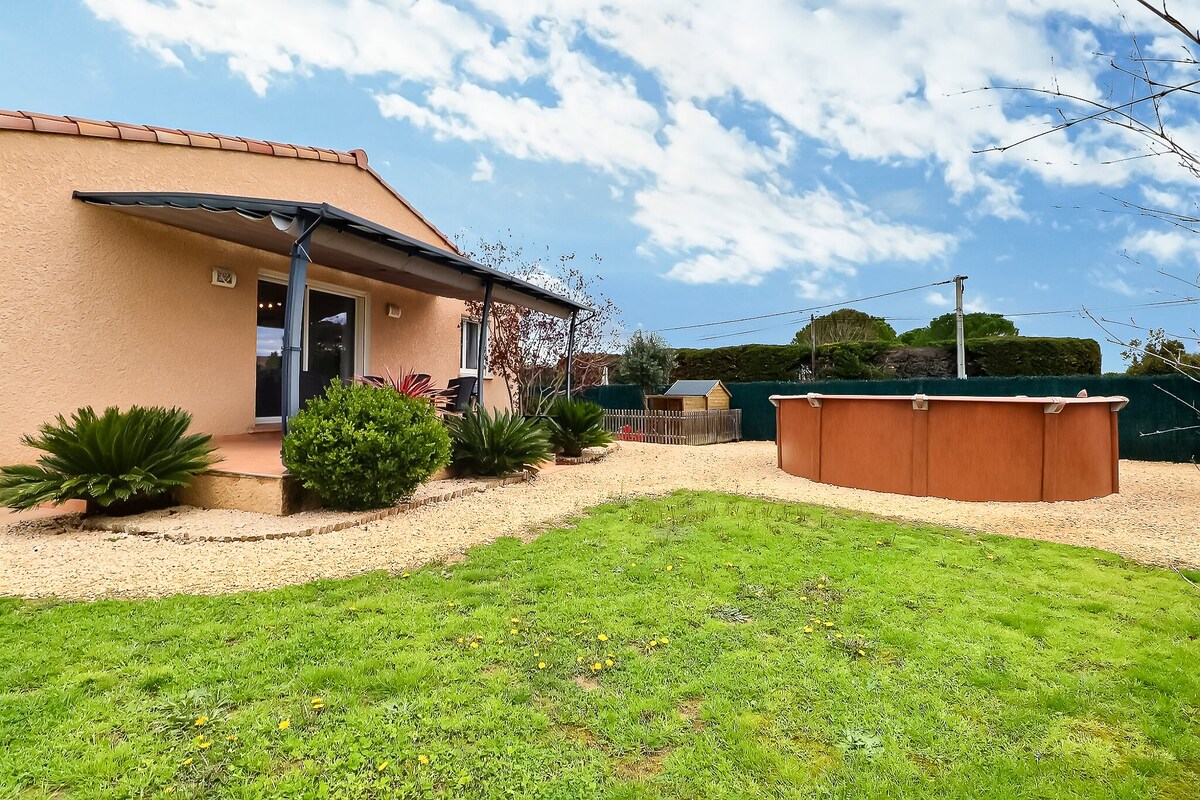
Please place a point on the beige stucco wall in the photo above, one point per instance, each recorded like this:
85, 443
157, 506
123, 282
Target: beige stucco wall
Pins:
99, 308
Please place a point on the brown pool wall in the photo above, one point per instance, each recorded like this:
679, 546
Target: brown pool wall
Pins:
960, 448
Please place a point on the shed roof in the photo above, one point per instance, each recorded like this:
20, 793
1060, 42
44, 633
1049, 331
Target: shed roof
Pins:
693, 388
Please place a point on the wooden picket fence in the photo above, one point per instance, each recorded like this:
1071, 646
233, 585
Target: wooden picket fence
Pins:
675, 427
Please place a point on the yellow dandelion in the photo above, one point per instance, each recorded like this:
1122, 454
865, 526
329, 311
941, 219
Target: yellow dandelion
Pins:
474, 645
808, 628
318, 701
406, 575
515, 621
231, 737
513, 631
837, 635
665, 640
382, 766
862, 652
878, 541
653, 643
204, 745
187, 762
960, 541
169, 790
609, 661
541, 665
596, 667
803, 597
201, 720
579, 660
729, 563
284, 724
828, 624
820, 586
424, 759
991, 557
460, 640
602, 638
670, 567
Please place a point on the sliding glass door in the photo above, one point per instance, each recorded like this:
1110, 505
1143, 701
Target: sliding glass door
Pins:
331, 348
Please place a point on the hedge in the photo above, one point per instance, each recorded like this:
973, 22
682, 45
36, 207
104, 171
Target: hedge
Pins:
1011, 356
1003, 356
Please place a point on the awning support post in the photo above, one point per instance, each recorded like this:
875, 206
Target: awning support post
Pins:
483, 332
293, 319
571, 354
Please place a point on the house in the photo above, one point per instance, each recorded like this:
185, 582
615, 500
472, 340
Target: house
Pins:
228, 276
691, 396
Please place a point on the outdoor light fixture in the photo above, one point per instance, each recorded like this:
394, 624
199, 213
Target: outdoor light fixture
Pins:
392, 309
224, 277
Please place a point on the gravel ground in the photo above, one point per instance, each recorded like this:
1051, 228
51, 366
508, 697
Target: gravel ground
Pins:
1152, 520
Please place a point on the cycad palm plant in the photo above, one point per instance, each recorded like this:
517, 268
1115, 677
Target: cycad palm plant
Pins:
486, 443
119, 462
576, 424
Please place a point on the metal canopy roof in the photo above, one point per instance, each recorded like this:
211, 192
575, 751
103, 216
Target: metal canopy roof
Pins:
342, 241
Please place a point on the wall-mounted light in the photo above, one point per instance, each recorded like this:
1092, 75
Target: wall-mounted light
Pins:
392, 309
224, 277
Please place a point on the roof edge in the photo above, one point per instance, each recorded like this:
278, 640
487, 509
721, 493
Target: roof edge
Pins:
34, 122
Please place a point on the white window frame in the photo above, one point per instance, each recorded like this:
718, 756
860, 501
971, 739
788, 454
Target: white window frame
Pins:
463, 369
362, 323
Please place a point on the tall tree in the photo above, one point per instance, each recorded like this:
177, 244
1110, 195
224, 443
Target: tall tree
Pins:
647, 362
944, 329
845, 325
526, 348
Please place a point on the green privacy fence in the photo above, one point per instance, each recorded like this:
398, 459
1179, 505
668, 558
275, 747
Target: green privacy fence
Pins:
1150, 407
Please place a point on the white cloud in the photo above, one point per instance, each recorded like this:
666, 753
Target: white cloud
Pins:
629, 90
1165, 246
483, 169
972, 303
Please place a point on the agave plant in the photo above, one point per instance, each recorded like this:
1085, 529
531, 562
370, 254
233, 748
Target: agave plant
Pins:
119, 462
575, 424
409, 384
497, 444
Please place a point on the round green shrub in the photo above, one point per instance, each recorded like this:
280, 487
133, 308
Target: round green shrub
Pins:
361, 447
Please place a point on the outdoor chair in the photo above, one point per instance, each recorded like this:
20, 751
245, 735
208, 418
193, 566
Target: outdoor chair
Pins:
455, 398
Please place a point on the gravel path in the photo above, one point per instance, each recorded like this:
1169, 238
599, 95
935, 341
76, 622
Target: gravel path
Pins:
1152, 520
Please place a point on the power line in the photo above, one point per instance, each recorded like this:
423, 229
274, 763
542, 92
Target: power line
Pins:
802, 310
1071, 312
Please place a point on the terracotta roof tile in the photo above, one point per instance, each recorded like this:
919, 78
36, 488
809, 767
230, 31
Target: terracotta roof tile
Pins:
165, 136
281, 149
202, 139
134, 133
48, 123
88, 127
12, 121
231, 143
258, 146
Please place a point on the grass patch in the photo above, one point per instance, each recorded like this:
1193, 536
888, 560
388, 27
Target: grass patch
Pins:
696, 646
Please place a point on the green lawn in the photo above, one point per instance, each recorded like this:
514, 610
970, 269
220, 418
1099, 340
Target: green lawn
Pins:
696, 646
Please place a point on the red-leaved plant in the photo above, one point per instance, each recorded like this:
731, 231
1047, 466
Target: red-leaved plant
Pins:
409, 384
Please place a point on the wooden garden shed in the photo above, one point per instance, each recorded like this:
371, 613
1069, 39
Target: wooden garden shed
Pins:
691, 396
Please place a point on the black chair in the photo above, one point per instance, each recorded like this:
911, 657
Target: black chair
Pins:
458, 393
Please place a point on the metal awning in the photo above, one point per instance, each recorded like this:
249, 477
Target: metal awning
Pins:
342, 241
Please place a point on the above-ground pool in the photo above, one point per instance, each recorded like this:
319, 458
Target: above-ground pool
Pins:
961, 448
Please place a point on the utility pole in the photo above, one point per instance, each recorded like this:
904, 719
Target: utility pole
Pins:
812, 330
958, 326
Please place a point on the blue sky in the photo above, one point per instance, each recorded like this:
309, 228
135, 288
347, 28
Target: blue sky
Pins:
724, 159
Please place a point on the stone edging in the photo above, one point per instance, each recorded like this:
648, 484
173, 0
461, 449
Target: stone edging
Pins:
589, 456
131, 529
